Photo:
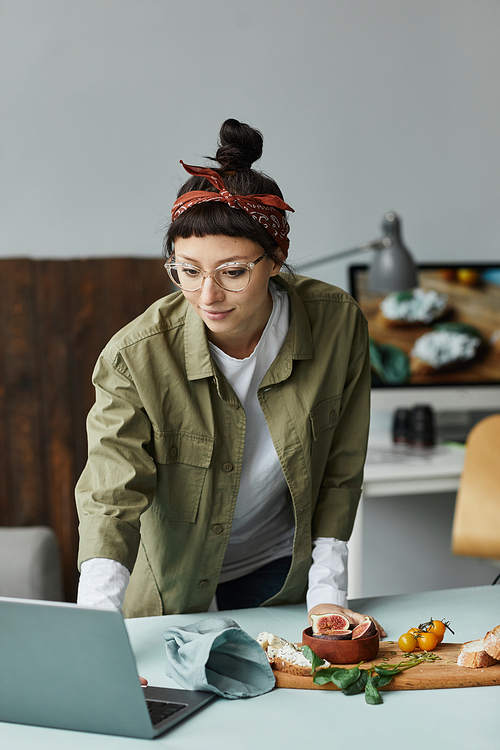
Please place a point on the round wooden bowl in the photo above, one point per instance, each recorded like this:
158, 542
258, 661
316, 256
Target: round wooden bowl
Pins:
342, 652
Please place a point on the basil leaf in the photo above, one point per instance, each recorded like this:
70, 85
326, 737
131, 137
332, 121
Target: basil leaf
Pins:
382, 680
313, 658
405, 296
458, 327
372, 695
359, 685
389, 363
385, 671
342, 678
322, 676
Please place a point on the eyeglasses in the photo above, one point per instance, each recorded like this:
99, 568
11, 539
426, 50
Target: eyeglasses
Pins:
233, 277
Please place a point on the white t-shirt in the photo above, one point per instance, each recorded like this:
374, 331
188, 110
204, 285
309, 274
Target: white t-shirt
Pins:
263, 524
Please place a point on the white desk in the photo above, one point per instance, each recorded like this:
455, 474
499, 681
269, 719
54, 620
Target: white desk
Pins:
296, 719
401, 470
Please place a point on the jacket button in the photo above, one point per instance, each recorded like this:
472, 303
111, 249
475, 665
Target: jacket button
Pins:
227, 466
333, 416
203, 583
217, 529
173, 451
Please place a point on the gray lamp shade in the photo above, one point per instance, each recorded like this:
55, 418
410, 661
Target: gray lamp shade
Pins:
392, 268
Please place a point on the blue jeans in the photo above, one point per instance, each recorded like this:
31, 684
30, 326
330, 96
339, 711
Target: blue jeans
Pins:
254, 588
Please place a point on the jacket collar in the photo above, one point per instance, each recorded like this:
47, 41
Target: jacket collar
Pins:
197, 352
298, 343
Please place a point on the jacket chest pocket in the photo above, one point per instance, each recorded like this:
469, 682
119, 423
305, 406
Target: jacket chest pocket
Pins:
323, 417
182, 461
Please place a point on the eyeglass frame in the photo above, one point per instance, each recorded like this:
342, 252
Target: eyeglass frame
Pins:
206, 274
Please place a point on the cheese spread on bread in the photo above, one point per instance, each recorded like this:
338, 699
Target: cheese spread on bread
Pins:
442, 349
414, 306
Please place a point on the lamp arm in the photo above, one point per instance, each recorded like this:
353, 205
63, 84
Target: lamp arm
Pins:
365, 247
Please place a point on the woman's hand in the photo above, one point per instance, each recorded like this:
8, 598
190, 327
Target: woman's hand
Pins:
355, 618
143, 681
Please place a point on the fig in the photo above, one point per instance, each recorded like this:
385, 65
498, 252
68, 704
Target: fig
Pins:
324, 623
335, 635
365, 630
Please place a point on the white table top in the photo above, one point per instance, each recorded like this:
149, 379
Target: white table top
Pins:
401, 470
458, 718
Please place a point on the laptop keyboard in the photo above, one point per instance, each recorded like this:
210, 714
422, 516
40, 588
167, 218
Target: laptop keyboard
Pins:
160, 710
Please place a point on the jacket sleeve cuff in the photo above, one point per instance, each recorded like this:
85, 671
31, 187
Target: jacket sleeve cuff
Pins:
108, 537
335, 513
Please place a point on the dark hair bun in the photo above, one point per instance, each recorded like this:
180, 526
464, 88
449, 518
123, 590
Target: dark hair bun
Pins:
239, 146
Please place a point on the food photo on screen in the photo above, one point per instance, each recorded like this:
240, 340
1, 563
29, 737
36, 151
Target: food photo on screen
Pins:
446, 331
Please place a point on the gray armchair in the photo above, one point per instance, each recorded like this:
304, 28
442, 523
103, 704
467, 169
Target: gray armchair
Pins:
30, 566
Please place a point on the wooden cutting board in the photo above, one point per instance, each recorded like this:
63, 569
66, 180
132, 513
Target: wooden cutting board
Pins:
442, 673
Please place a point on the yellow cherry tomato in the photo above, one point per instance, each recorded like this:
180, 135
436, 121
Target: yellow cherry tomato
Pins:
407, 642
468, 276
438, 628
427, 641
415, 631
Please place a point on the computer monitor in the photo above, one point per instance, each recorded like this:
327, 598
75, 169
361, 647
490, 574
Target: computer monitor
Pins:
457, 368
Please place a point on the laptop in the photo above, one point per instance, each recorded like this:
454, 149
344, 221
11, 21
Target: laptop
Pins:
70, 667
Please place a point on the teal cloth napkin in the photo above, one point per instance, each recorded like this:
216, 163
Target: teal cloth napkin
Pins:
216, 655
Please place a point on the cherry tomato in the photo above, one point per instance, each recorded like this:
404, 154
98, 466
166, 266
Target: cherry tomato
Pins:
468, 276
415, 631
407, 642
438, 628
427, 641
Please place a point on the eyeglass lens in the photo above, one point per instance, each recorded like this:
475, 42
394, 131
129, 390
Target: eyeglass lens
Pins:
234, 278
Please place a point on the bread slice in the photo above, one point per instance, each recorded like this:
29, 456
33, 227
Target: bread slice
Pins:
474, 656
271, 643
492, 643
291, 660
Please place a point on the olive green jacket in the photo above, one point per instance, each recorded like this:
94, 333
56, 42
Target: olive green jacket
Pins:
166, 437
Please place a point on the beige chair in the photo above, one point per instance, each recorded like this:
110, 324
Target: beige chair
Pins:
476, 522
30, 566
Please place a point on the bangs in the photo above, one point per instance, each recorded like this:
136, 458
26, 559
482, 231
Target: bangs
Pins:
215, 218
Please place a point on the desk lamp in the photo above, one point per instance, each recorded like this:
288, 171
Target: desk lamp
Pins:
392, 269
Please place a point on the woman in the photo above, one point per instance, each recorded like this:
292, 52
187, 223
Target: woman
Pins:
228, 437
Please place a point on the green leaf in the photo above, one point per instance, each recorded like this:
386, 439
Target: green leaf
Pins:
390, 363
372, 695
313, 658
458, 327
385, 671
382, 680
359, 685
404, 296
322, 676
342, 678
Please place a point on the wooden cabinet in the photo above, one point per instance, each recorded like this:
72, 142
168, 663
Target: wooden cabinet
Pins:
56, 316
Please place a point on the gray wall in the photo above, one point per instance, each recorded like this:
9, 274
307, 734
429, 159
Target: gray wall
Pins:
366, 106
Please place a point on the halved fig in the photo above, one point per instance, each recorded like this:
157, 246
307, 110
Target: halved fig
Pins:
365, 630
324, 623
335, 635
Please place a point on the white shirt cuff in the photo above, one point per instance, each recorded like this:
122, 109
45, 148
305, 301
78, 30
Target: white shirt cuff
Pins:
102, 583
328, 573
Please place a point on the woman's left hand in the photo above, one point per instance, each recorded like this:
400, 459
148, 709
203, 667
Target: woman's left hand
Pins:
355, 618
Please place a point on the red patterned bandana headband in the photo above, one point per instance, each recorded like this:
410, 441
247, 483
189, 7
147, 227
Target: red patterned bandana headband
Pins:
262, 208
